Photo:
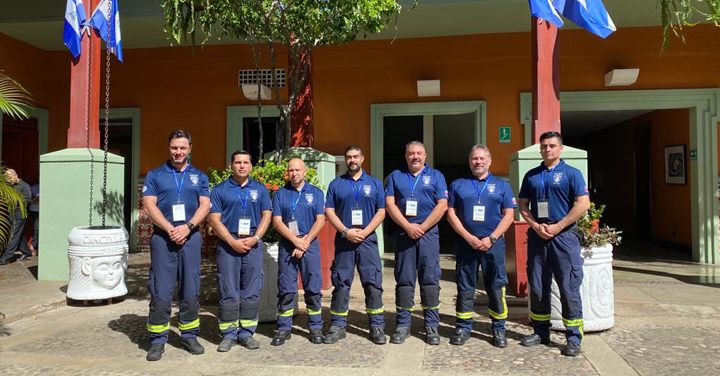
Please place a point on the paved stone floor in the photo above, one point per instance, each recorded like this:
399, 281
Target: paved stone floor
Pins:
667, 312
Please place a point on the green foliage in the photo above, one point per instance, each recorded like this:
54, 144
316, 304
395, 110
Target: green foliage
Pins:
675, 14
14, 99
273, 175
593, 214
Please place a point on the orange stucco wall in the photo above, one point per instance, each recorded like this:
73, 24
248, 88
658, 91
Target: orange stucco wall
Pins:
175, 87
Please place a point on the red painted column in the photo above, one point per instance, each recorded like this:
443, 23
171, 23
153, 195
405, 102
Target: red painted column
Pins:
301, 119
85, 90
546, 83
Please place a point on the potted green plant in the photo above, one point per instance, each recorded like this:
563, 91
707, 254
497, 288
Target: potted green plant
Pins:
597, 284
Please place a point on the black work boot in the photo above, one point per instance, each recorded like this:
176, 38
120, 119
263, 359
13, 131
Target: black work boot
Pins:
570, 349
460, 337
400, 335
335, 334
155, 352
226, 344
534, 339
249, 343
431, 335
499, 339
280, 337
377, 335
316, 336
193, 346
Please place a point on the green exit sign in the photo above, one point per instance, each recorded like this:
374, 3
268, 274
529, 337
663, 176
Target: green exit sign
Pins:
504, 135
693, 155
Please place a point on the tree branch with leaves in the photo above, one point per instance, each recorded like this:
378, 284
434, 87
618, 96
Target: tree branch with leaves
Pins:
676, 14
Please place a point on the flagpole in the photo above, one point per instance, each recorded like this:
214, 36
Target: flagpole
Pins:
546, 81
85, 90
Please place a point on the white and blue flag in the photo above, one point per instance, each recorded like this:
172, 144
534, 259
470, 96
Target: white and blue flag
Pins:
109, 33
75, 20
591, 15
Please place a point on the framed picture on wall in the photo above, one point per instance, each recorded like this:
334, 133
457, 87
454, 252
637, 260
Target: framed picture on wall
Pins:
675, 170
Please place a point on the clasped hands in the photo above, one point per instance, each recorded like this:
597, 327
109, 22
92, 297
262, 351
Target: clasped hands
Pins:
547, 231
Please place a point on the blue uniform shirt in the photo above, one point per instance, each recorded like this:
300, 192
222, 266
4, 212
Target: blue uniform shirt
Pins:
561, 185
164, 182
429, 186
495, 194
308, 204
228, 198
342, 194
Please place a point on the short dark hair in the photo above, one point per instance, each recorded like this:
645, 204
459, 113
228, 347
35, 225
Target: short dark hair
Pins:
353, 147
239, 152
179, 133
547, 135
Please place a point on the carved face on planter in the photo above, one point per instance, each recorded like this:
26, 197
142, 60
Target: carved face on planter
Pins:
106, 272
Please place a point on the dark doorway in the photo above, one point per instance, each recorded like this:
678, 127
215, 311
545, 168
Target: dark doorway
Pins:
251, 136
643, 183
120, 142
20, 147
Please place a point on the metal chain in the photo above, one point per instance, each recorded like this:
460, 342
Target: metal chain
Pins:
107, 111
88, 129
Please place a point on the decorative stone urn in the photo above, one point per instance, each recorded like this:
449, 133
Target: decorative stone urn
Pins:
98, 260
267, 305
598, 299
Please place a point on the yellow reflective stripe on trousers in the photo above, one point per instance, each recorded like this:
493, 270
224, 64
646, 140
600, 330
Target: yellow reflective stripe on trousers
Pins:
287, 313
539, 317
429, 307
504, 315
158, 328
191, 325
314, 312
464, 315
338, 313
376, 310
405, 308
228, 325
248, 323
575, 322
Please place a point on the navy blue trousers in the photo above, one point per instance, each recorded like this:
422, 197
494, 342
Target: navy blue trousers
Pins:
418, 260
311, 275
169, 264
558, 257
495, 279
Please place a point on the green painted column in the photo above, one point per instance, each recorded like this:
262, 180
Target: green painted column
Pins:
526, 159
64, 203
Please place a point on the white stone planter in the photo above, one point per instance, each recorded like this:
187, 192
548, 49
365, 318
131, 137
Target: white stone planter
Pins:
98, 260
267, 307
597, 292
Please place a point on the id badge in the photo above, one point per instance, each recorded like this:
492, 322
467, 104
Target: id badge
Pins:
411, 207
293, 226
357, 217
543, 209
178, 212
478, 213
244, 226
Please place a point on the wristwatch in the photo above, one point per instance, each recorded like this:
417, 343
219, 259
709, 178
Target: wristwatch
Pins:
190, 226
492, 239
344, 232
257, 238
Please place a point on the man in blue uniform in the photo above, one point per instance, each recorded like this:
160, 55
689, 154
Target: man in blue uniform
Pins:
298, 215
176, 200
416, 199
355, 207
552, 197
239, 215
481, 209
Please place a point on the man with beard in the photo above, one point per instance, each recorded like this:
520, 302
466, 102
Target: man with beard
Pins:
176, 199
355, 207
298, 215
239, 215
481, 209
553, 196
416, 199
